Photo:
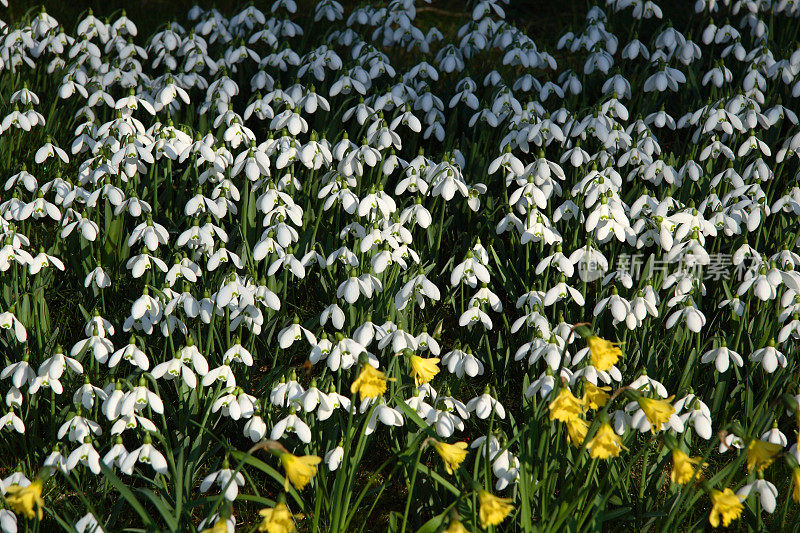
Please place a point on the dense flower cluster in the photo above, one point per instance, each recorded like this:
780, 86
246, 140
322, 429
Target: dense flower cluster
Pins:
257, 265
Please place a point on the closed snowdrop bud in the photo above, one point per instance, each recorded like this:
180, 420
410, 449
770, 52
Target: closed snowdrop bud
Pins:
726, 506
334, 457
605, 443
493, 509
452, 454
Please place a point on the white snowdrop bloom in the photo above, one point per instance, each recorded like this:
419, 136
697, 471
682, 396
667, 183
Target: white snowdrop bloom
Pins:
645, 384
97, 278
619, 306
116, 454
86, 455
470, 270
88, 523
56, 460
86, 394
769, 357
722, 356
291, 424
221, 374
545, 383
53, 367
329, 403
23, 177
10, 254
10, 322
228, 481
381, 413
764, 284
790, 329
473, 315
505, 467
145, 454
445, 422
294, 332
697, 413
461, 362
19, 372
77, 428
139, 398
186, 362
591, 263
333, 458
730, 441
287, 393
98, 345
484, 405
42, 260
694, 318
416, 289
767, 494
10, 420
665, 78
49, 150
775, 436
255, 427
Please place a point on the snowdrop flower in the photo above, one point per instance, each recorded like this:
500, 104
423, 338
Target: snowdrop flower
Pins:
769, 357
294, 332
767, 494
333, 458
146, 454
484, 405
228, 481
292, 424
722, 356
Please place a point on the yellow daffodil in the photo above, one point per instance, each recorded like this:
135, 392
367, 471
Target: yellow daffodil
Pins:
683, 467
370, 383
26, 500
566, 406
657, 412
593, 396
605, 443
452, 454
276, 520
796, 485
605, 354
299, 470
760, 454
423, 370
493, 509
577, 428
726, 505
456, 527
219, 527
